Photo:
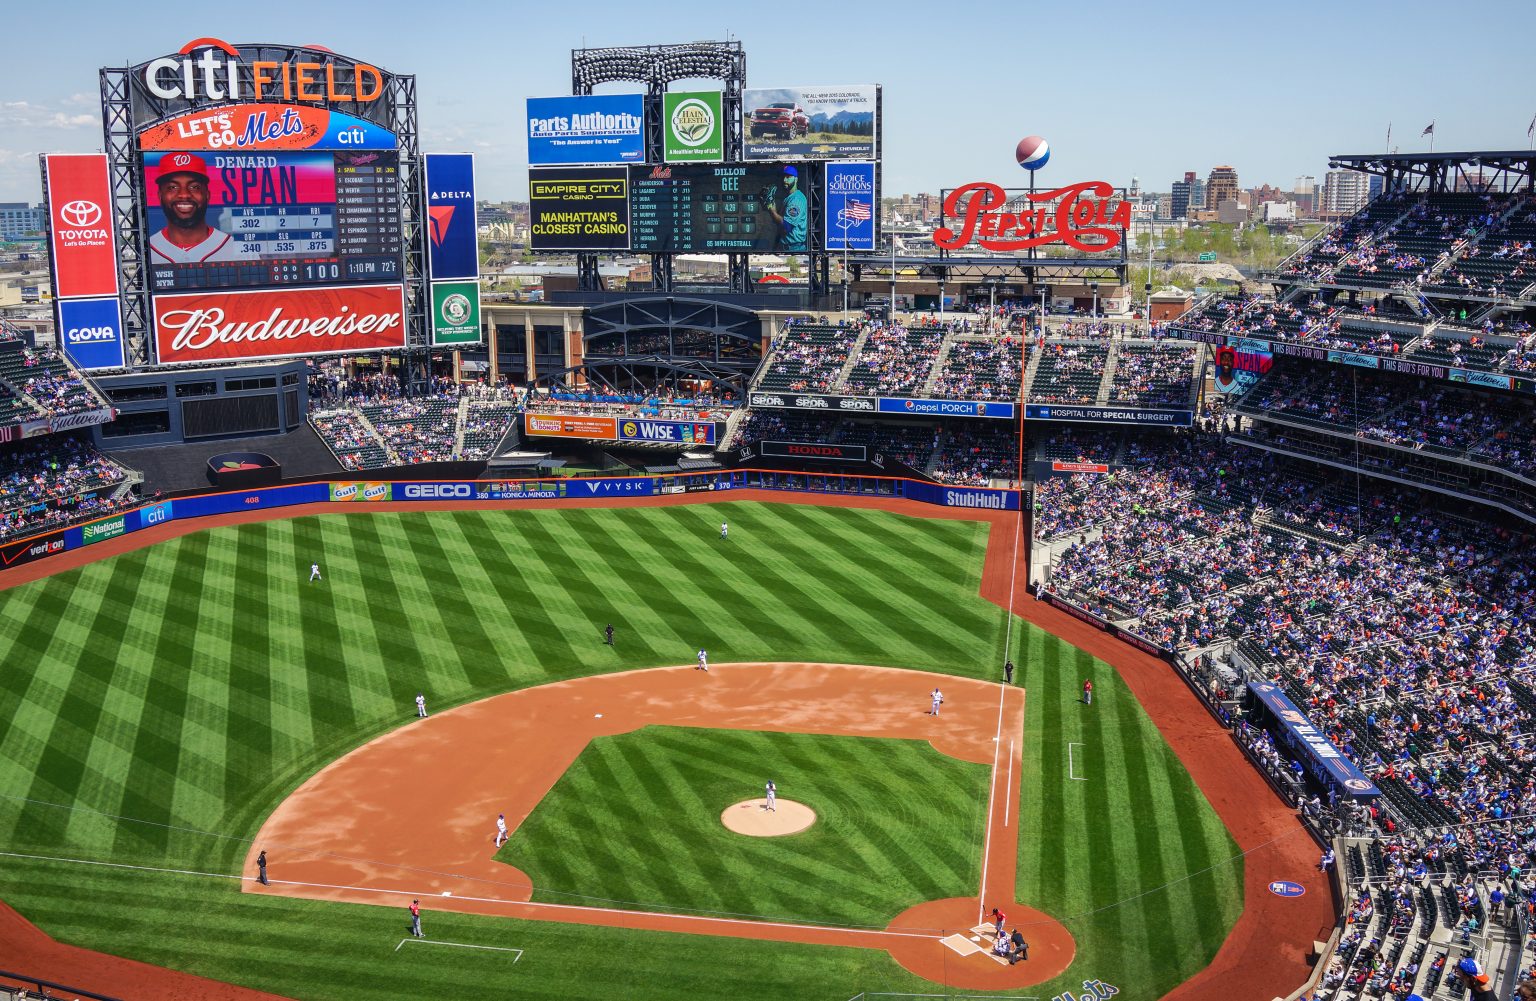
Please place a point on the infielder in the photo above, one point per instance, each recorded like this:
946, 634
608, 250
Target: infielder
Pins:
314, 572
703, 661
938, 700
421, 706
772, 792
501, 829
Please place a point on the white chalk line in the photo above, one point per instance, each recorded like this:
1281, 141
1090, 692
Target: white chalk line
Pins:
1008, 786
986, 848
530, 904
1071, 769
462, 945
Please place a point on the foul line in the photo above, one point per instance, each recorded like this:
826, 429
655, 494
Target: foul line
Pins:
1008, 786
986, 848
1075, 778
463, 945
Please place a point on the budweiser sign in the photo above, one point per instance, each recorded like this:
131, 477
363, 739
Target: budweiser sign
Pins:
246, 326
1083, 216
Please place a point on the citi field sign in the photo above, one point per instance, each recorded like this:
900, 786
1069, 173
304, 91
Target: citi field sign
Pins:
1084, 216
211, 71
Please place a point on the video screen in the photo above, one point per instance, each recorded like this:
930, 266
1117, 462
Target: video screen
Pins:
239, 220
720, 208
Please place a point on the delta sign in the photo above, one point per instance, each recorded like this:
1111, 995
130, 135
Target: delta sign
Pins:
1086, 216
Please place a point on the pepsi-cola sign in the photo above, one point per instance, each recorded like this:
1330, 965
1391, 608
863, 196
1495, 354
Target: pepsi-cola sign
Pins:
1084, 216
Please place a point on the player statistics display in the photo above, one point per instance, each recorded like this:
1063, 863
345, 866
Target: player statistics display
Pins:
703, 208
248, 220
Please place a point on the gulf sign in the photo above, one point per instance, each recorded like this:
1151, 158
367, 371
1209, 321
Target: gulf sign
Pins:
91, 332
80, 225
250, 325
265, 127
344, 493
1084, 216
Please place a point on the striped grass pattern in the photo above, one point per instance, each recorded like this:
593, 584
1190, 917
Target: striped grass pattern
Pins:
154, 707
636, 818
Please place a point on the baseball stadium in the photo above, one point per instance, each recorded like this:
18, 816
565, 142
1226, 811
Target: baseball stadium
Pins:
959, 619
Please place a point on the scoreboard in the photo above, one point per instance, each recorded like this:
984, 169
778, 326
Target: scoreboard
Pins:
720, 208
290, 218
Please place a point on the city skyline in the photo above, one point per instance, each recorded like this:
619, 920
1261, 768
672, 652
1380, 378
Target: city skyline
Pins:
1125, 97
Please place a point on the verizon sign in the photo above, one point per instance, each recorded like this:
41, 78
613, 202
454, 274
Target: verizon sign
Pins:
244, 326
80, 225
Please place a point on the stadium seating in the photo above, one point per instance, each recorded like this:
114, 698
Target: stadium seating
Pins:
895, 360
808, 358
981, 370
1068, 372
1153, 374
53, 481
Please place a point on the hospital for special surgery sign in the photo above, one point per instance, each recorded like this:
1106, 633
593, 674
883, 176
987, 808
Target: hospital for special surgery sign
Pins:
1082, 216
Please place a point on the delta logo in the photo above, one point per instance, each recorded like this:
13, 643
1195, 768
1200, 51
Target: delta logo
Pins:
441, 218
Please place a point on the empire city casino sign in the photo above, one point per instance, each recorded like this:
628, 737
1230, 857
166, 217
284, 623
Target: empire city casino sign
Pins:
1083, 216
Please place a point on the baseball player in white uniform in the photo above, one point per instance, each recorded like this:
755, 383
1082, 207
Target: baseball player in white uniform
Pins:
501, 829
771, 791
421, 706
938, 700
703, 661
724, 530
182, 186
314, 573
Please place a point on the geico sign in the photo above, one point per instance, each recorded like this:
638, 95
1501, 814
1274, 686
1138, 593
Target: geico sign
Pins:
90, 335
208, 69
1081, 210
438, 491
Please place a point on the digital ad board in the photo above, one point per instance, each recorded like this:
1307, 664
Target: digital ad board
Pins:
242, 220
814, 123
590, 129
248, 325
91, 332
262, 127
455, 313
699, 208
80, 225
578, 208
850, 206
453, 245
693, 127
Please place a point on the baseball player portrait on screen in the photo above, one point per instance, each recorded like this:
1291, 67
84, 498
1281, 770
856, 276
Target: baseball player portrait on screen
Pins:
182, 185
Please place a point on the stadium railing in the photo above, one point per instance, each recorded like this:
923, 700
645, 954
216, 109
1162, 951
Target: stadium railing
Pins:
11, 983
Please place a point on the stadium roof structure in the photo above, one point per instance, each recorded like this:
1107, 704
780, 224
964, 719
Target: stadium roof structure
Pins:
1502, 170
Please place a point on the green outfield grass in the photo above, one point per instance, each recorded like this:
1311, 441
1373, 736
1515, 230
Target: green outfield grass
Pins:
637, 820
155, 707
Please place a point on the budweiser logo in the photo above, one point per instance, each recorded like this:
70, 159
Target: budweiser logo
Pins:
1083, 218
196, 329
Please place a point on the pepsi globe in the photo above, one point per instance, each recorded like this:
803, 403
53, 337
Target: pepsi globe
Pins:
1032, 152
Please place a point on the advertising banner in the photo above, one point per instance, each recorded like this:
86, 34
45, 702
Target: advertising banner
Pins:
349, 492
815, 123
680, 432
455, 313
947, 408
265, 127
453, 250
80, 225
24, 551
812, 450
434, 491
523, 490
578, 208
1240, 363
156, 514
850, 206
714, 209
91, 331
570, 426
1108, 415
1079, 467
638, 486
974, 497
245, 326
815, 401
595, 128
693, 127
1355, 359
1320, 756
1487, 379
106, 528
309, 217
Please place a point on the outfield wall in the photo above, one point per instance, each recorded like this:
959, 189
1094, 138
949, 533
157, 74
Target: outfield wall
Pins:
355, 491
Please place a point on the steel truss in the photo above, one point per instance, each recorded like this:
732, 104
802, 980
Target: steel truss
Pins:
734, 379
1500, 171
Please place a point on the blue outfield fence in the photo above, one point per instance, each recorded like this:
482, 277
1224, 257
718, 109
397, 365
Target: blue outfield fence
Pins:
359, 491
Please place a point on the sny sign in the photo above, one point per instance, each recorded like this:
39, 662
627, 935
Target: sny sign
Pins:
1081, 210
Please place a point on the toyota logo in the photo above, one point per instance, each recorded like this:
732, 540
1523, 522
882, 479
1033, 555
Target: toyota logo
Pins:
80, 213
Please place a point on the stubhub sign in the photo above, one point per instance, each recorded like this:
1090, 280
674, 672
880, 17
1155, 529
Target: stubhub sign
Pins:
91, 331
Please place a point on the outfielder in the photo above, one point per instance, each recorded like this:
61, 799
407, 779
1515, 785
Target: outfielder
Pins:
421, 706
703, 661
724, 530
314, 573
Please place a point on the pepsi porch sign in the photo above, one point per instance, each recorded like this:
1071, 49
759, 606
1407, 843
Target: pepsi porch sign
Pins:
91, 331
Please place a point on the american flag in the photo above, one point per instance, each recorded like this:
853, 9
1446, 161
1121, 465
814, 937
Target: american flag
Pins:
856, 210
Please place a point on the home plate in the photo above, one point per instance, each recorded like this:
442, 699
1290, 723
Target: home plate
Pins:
597, 716
961, 944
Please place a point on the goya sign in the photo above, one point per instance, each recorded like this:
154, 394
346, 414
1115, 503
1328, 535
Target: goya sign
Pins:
1084, 216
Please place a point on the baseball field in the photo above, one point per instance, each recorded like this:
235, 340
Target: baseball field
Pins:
166, 707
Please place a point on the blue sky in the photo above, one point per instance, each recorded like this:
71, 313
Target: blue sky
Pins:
1143, 89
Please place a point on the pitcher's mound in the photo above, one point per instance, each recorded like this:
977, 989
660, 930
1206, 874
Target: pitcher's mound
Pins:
750, 817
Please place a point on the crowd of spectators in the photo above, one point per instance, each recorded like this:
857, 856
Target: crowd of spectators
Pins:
808, 357
1068, 372
54, 481
1154, 375
895, 359
978, 457
981, 370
